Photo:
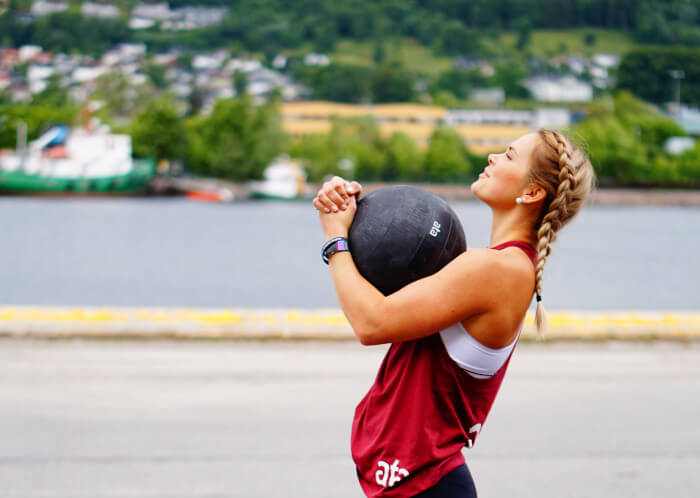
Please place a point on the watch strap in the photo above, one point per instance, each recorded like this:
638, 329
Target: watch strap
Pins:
332, 246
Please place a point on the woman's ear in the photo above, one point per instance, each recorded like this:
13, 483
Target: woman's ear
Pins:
534, 194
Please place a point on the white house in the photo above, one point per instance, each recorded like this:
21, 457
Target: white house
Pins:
154, 11
559, 89
99, 10
316, 60
44, 8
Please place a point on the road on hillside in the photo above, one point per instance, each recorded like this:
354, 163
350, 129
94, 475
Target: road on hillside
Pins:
243, 419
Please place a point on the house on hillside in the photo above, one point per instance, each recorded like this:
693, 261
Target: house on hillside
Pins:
99, 10
557, 88
44, 8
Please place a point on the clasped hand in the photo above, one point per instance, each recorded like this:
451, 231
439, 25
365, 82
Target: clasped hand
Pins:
336, 202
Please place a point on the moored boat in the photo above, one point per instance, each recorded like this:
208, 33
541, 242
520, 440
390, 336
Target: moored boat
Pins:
284, 179
77, 161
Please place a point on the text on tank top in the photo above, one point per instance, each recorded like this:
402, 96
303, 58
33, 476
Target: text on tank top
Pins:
423, 408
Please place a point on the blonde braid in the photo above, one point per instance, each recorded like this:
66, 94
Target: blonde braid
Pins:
565, 203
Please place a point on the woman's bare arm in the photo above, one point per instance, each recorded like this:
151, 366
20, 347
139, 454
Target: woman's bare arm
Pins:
473, 283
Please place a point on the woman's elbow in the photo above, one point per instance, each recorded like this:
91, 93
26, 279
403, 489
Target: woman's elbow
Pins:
369, 335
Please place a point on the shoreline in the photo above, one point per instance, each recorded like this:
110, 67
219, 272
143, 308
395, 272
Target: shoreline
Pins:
323, 324
602, 196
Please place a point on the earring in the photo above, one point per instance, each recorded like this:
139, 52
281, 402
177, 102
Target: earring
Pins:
519, 200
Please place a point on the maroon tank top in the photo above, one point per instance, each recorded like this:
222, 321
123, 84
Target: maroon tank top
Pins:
410, 428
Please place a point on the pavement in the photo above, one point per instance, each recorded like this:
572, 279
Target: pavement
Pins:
253, 419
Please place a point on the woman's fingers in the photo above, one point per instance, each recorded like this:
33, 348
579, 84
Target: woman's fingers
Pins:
354, 188
328, 204
320, 206
335, 194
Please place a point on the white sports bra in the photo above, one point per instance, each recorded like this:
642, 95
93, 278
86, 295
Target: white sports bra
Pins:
473, 357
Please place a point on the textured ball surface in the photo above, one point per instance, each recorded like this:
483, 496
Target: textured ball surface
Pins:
401, 234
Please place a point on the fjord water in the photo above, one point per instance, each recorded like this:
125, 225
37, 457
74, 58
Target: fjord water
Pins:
176, 252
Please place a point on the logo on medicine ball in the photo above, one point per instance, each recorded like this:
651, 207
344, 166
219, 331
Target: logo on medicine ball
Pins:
435, 229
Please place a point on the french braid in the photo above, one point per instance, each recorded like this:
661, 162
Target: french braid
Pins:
567, 176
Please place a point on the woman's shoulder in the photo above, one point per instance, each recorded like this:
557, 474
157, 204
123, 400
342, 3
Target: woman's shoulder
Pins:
510, 261
507, 281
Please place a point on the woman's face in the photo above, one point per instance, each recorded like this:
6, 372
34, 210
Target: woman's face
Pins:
505, 177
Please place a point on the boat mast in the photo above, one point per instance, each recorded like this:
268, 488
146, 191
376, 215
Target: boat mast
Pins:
21, 141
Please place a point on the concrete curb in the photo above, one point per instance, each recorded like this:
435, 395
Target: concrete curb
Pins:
320, 324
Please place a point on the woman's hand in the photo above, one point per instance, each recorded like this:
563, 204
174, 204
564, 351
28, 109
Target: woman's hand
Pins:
337, 204
334, 195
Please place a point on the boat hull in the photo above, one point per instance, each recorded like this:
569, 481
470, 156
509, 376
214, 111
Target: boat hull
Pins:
133, 182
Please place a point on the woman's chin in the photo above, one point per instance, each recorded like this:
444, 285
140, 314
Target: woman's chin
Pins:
474, 187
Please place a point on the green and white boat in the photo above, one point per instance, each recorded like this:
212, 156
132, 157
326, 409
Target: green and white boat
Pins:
78, 161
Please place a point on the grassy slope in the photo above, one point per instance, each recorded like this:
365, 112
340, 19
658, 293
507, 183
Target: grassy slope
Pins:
544, 43
413, 56
549, 43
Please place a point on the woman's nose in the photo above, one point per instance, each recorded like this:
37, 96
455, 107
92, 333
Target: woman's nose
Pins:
491, 159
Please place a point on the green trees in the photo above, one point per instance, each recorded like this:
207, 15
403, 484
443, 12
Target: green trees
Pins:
645, 72
447, 158
391, 83
356, 84
237, 141
38, 117
625, 138
71, 32
338, 82
158, 131
354, 148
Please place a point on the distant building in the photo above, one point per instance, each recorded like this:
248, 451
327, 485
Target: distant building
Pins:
193, 17
316, 60
551, 118
141, 23
28, 52
209, 62
689, 120
100, 10
154, 11
678, 145
44, 8
243, 65
5, 81
279, 62
559, 89
467, 63
606, 61
492, 96
482, 130
86, 74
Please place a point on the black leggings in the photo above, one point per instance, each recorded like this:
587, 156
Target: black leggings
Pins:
457, 483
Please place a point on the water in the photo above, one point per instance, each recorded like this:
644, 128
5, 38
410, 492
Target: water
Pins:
175, 252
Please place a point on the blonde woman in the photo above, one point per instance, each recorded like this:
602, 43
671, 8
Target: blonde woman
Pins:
452, 334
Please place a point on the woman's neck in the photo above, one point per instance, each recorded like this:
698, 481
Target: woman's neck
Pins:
509, 225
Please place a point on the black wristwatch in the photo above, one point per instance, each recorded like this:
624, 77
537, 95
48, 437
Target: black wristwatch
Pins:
333, 246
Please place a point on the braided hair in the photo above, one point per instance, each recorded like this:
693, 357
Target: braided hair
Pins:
567, 176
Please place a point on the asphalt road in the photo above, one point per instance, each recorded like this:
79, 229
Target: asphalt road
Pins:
220, 419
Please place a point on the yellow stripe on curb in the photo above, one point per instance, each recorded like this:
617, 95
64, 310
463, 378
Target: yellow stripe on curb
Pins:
34, 321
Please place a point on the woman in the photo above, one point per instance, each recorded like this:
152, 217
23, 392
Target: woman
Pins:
451, 334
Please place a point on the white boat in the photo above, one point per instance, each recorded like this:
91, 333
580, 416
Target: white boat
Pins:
283, 179
76, 161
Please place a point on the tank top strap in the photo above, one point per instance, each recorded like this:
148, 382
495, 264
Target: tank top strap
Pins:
527, 248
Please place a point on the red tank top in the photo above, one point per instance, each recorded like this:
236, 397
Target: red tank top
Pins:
410, 428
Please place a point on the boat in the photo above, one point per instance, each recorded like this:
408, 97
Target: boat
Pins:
74, 161
284, 179
212, 195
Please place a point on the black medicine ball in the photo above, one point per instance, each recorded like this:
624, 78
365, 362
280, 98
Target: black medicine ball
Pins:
401, 234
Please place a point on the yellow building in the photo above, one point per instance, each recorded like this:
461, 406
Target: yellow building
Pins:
417, 121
